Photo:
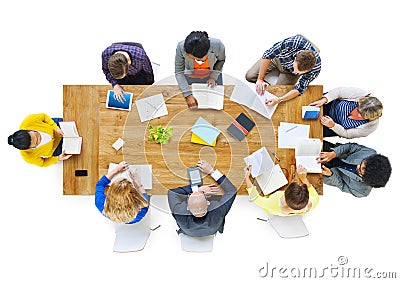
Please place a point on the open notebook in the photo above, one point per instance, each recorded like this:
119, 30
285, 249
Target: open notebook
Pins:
72, 142
307, 152
260, 162
144, 173
271, 180
207, 97
247, 95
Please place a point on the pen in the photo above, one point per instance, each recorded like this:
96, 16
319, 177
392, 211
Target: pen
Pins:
276, 157
155, 228
265, 220
291, 129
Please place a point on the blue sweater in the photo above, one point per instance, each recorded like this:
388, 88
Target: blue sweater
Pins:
100, 199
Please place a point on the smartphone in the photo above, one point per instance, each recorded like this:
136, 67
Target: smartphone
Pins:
195, 176
81, 173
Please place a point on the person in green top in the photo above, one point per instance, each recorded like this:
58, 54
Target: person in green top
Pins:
297, 198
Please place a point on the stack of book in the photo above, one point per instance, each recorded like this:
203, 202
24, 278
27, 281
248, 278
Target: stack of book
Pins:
310, 112
204, 133
240, 127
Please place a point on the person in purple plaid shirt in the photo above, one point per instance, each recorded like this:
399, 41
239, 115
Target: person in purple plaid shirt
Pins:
126, 63
295, 59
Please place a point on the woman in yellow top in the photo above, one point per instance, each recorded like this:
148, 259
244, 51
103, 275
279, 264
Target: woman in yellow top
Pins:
38, 139
296, 199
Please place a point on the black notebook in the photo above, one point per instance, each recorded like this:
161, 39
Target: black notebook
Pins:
240, 127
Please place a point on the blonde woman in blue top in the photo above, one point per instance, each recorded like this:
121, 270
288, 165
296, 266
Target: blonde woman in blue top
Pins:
349, 112
126, 201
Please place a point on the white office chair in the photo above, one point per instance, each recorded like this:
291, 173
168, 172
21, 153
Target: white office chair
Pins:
156, 70
197, 244
289, 226
272, 77
132, 237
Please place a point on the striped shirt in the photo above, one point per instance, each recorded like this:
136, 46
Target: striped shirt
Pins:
286, 51
341, 109
139, 62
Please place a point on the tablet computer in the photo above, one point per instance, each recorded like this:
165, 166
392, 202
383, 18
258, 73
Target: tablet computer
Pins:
195, 176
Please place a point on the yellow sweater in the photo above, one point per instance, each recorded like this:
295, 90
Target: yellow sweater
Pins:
42, 155
271, 204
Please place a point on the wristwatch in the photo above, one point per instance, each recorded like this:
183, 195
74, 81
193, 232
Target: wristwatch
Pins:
280, 99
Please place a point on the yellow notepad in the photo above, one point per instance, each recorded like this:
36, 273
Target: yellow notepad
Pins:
197, 139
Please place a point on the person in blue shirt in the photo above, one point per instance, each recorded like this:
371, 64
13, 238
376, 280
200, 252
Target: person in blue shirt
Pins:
126, 200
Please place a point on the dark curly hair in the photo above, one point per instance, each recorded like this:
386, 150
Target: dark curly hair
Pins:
377, 170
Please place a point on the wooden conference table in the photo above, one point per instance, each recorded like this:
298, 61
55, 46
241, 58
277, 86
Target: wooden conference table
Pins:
100, 127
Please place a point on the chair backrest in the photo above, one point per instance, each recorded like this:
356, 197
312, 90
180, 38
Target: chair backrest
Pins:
130, 43
197, 244
132, 237
289, 226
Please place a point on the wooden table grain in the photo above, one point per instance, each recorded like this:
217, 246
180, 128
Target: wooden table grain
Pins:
101, 127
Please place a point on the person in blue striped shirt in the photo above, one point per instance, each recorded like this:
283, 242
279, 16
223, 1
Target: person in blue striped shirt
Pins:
350, 112
296, 61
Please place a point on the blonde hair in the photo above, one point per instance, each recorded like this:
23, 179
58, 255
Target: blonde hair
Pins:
370, 107
123, 201
118, 66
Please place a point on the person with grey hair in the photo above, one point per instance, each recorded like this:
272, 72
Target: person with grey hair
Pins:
197, 211
350, 112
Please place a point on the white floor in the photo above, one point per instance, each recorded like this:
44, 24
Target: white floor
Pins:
48, 237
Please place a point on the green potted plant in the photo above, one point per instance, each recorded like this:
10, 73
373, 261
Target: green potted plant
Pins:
160, 134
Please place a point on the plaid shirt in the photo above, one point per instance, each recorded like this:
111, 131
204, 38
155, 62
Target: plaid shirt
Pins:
139, 62
286, 51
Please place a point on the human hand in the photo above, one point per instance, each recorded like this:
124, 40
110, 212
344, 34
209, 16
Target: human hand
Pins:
260, 86
132, 174
60, 132
326, 156
211, 82
135, 179
272, 101
205, 167
118, 93
191, 101
320, 102
122, 166
247, 171
209, 190
326, 171
302, 173
64, 156
327, 121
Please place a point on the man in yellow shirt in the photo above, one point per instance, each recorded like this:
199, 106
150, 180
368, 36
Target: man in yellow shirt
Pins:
296, 199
